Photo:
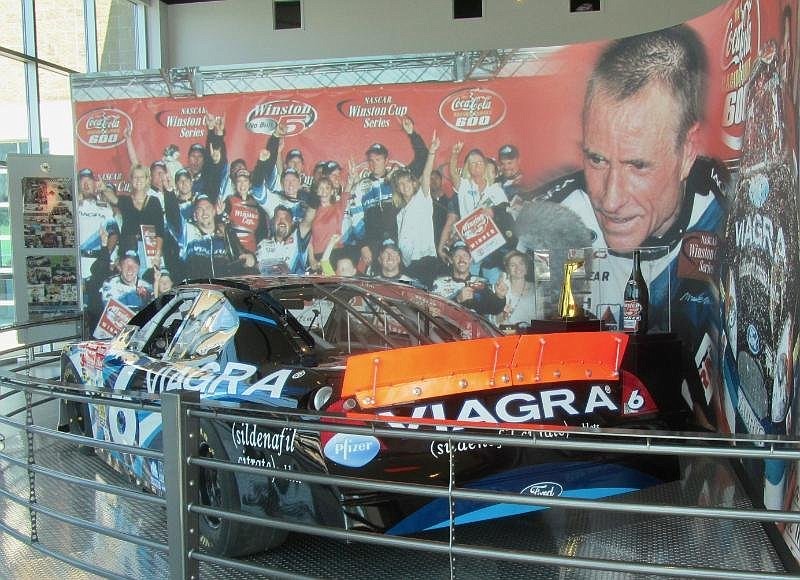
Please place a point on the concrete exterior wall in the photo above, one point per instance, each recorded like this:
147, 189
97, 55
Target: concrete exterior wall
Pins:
241, 31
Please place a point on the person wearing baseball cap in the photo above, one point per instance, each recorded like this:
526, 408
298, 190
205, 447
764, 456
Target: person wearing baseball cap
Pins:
473, 292
127, 287
390, 264
373, 192
510, 175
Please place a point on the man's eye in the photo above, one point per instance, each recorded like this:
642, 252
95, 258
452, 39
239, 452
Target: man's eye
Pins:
638, 164
595, 159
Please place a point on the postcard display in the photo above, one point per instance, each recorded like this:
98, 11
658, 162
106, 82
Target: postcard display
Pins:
44, 229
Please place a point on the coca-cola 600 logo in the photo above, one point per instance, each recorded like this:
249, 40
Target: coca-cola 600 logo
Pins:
295, 116
103, 128
472, 110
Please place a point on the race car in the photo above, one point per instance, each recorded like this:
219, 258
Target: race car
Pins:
366, 350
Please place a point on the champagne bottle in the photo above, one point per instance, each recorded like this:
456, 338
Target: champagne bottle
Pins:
637, 300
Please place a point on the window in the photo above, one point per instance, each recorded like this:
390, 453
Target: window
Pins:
288, 14
207, 329
467, 9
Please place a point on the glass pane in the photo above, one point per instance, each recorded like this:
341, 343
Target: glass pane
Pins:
56, 113
11, 30
116, 35
14, 128
60, 33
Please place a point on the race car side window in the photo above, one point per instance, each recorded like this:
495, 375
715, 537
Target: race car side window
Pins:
157, 332
207, 328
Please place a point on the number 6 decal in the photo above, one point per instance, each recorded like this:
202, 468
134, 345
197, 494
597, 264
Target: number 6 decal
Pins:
635, 401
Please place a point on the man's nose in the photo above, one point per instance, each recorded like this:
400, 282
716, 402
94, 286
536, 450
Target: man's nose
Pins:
614, 195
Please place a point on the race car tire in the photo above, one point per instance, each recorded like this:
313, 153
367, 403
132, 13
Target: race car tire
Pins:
220, 489
74, 416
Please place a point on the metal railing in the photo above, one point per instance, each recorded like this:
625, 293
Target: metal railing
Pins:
182, 413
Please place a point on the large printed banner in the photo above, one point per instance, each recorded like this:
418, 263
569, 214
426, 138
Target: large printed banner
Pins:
687, 147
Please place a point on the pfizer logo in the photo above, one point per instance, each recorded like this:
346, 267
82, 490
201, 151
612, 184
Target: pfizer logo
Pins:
544, 489
103, 128
753, 340
352, 450
472, 110
295, 116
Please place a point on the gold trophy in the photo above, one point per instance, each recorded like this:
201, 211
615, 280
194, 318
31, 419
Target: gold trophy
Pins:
568, 309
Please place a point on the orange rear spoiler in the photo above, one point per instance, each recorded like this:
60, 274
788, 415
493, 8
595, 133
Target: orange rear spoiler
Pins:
406, 375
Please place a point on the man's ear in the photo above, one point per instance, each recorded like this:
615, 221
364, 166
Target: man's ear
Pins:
689, 149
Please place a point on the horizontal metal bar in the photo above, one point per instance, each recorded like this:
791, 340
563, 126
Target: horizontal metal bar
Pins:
40, 323
83, 524
68, 338
489, 552
35, 364
489, 496
96, 485
570, 440
89, 442
33, 404
42, 549
245, 567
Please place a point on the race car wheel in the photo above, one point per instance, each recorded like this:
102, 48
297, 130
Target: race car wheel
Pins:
74, 416
220, 489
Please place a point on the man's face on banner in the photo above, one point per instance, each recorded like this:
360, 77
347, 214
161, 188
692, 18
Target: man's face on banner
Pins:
128, 271
204, 215
376, 163
634, 165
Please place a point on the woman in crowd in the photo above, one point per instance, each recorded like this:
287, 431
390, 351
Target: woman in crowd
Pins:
521, 295
136, 210
327, 221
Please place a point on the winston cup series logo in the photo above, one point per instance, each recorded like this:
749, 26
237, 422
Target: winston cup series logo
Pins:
295, 116
102, 128
472, 110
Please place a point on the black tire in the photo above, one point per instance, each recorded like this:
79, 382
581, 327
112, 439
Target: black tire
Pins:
220, 489
74, 416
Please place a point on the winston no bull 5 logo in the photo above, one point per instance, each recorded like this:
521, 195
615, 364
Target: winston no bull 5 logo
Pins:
295, 116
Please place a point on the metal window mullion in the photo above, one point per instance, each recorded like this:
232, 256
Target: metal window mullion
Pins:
90, 27
140, 33
31, 76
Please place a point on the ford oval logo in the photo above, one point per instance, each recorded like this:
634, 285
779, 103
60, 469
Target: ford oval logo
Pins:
544, 489
352, 450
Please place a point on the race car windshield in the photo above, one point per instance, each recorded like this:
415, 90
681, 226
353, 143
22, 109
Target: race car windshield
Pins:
346, 319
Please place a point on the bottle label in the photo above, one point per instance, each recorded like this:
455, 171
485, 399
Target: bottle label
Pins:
631, 315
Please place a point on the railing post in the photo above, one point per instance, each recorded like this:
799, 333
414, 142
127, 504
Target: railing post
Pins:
180, 438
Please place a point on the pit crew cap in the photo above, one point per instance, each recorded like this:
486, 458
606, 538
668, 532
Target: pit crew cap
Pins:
294, 153
196, 147
132, 254
459, 245
378, 148
507, 151
86, 172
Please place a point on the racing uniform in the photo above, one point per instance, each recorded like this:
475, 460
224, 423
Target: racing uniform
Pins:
216, 254
247, 220
681, 269
289, 255
92, 216
485, 301
133, 296
374, 195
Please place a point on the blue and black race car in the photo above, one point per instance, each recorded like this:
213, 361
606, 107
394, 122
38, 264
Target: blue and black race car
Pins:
364, 349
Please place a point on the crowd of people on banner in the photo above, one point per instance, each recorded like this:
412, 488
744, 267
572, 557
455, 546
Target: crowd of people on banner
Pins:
279, 214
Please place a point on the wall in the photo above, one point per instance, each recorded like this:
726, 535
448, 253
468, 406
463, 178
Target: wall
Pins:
240, 31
